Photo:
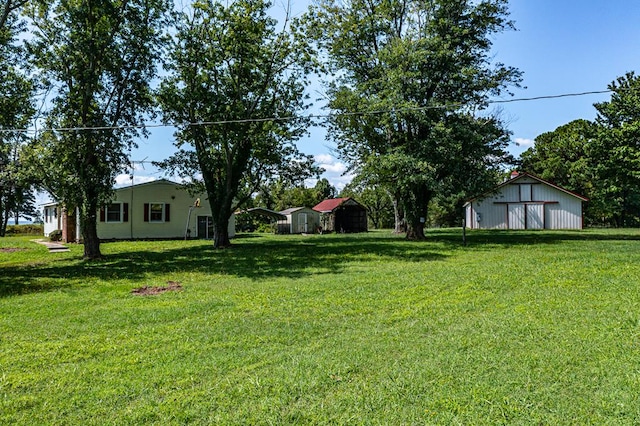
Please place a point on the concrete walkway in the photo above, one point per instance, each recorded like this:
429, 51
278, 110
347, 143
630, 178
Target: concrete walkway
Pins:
53, 247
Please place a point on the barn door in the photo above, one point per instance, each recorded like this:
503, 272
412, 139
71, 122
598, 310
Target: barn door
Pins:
535, 216
516, 216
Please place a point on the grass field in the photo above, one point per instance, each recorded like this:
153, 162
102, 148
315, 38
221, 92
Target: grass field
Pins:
515, 328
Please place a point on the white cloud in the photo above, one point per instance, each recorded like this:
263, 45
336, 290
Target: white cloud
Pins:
330, 164
525, 143
125, 179
324, 158
334, 171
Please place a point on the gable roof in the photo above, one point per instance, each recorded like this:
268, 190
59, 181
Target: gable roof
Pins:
262, 211
331, 204
522, 175
153, 182
291, 210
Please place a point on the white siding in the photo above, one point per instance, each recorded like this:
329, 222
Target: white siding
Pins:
535, 216
516, 216
511, 206
165, 192
51, 217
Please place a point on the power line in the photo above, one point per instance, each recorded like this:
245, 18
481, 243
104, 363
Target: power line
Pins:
308, 117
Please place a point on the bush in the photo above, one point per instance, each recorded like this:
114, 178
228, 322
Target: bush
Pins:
31, 229
55, 235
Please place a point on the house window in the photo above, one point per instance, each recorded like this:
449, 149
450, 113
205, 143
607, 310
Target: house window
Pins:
156, 212
114, 212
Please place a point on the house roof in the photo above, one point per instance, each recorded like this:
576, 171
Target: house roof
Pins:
125, 187
331, 204
522, 175
153, 182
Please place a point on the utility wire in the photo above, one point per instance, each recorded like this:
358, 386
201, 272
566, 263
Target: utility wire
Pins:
309, 117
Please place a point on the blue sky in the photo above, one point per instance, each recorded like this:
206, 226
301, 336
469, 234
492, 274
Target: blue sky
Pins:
562, 46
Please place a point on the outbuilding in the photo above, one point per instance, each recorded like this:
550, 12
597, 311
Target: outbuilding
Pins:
299, 220
342, 215
525, 201
160, 209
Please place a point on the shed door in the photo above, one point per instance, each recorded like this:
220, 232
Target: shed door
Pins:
516, 216
535, 216
303, 223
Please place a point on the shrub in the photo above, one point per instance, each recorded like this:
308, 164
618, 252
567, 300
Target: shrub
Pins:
55, 235
30, 229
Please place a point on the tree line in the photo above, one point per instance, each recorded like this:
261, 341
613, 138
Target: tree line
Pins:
598, 159
408, 86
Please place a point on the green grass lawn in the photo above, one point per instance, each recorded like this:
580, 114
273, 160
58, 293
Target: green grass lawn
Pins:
514, 328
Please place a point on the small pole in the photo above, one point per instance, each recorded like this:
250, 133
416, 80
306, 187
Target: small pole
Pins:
186, 230
464, 231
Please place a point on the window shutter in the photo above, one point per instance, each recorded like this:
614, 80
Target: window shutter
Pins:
167, 210
102, 214
125, 212
146, 212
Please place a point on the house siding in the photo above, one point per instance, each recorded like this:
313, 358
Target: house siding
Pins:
134, 218
177, 203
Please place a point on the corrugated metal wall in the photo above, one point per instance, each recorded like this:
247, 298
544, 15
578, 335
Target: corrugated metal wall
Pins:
526, 204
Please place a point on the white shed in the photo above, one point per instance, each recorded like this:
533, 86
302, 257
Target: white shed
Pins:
525, 202
299, 220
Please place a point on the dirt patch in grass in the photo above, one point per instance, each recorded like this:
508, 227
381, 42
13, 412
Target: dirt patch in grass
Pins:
10, 249
155, 290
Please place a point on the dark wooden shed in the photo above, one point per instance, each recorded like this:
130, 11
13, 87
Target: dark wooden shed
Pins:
342, 215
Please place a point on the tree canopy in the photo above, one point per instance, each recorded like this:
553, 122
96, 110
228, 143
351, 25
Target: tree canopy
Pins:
599, 159
412, 78
16, 111
99, 58
236, 88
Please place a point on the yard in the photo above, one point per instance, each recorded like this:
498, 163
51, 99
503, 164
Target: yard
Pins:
515, 328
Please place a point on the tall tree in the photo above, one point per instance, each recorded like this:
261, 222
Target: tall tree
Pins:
231, 66
16, 109
412, 76
562, 156
100, 57
616, 153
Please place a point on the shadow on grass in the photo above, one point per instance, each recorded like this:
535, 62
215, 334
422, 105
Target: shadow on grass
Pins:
254, 258
491, 238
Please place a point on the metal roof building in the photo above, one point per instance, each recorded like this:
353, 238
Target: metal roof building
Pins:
525, 202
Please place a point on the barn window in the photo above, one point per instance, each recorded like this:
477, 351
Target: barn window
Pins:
525, 192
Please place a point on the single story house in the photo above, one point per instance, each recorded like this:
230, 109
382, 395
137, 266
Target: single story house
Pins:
525, 201
342, 215
299, 220
160, 209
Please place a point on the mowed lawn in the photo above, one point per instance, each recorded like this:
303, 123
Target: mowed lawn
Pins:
515, 328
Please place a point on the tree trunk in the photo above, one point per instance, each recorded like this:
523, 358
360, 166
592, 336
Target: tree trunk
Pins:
89, 228
221, 234
397, 215
3, 224
415, 230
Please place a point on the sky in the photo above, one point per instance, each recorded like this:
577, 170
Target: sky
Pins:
562, 47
